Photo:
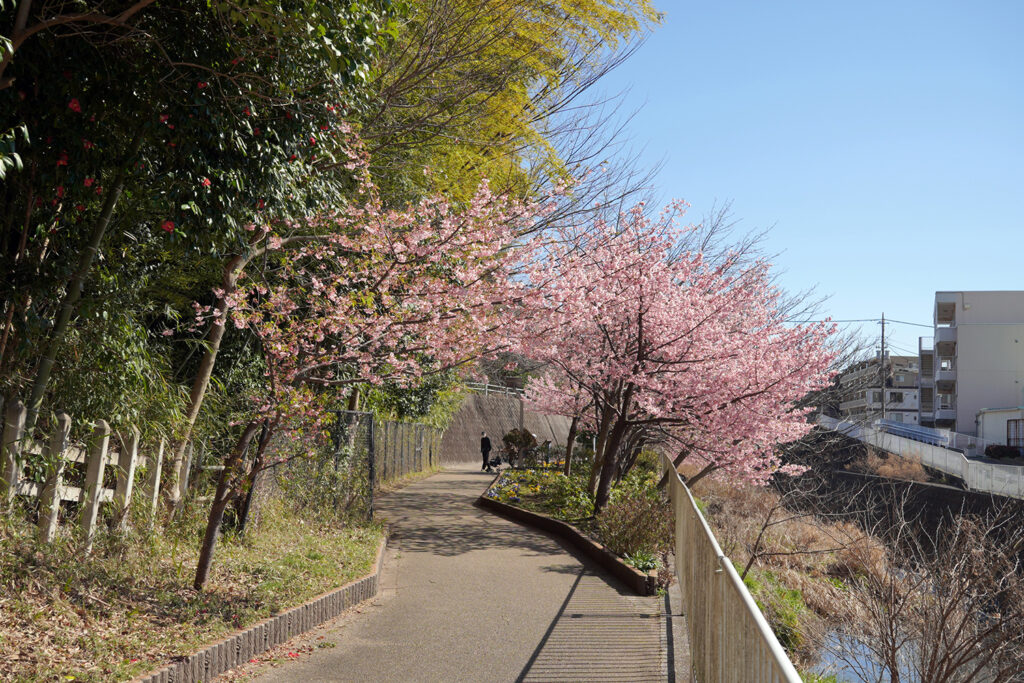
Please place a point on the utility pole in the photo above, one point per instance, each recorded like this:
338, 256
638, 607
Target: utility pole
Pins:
881, 368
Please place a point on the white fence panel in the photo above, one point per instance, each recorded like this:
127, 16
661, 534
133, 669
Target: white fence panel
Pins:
1003, 480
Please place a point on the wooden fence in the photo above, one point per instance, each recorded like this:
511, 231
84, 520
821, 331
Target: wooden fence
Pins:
730, 640
96, 454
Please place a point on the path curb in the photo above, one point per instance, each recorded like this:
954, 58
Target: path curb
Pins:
641, 583
238, 649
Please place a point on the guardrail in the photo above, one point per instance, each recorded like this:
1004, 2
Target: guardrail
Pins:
1002, 480
730, 640
487, 389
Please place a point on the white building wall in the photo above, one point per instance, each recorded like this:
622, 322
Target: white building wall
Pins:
989, 356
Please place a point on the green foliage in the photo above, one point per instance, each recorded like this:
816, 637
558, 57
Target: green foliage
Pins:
784, 608
643, 560
432, 401
812, 677
473, 89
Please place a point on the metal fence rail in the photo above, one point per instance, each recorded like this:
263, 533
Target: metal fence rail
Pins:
977, 475
372, 453
487, 389
730, 640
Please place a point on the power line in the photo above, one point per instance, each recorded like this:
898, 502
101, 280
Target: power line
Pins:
863, 320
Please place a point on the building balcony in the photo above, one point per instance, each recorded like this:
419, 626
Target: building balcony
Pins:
945, 414
945, 341
945, 308
945, 380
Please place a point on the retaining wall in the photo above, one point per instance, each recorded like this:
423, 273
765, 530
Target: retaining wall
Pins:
497, 415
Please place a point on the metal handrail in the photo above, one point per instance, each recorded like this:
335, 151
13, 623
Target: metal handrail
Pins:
487, 389
730, 640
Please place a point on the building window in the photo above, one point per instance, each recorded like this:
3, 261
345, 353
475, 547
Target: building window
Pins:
876, 396
895, 397
1015, 433
901, 378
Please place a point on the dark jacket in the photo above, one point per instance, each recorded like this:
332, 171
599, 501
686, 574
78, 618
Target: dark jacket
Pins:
485, 445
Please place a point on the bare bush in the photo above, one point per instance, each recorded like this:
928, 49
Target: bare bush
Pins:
945, 603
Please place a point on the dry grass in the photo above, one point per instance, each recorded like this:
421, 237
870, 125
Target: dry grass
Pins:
129, 607
799, 552
891, 466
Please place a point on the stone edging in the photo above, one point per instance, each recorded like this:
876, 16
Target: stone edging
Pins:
238, 649
640, 582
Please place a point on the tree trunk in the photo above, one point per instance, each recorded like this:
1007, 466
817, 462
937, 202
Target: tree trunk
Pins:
602, 438
708, 469
220, 502
202, 379
250, 480
567, 470
74, 289
608, 467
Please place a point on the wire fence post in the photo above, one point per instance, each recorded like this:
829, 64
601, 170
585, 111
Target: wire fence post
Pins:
373, 470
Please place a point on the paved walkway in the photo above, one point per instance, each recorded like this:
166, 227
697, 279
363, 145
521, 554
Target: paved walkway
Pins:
469, 596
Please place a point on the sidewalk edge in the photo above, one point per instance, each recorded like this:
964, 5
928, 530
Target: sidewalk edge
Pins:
239, 648
642, 583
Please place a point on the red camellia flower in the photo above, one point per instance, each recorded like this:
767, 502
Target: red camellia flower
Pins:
168, 226
205, 182
99, 189
202, 84
163, 118
88, 182
247, 112
79, 207
63, 160
74, 106
312, 140
260, 204
60, 191
87, 144
256, 130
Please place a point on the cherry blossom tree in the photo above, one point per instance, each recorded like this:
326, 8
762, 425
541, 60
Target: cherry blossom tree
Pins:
664, 339
379, 295
559, 394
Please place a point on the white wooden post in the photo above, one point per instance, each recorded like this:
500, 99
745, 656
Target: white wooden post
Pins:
10, 457
49, 499
126, 461
93, 489
156, 464
186, 468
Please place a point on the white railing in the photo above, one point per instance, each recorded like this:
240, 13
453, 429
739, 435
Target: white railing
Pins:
498, 390
1002, 480
730, 640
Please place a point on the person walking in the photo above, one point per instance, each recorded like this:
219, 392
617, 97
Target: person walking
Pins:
485, 451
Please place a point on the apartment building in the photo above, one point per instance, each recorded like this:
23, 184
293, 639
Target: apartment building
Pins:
974, 363
862, 390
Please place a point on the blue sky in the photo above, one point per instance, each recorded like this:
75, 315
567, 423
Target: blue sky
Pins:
882, 141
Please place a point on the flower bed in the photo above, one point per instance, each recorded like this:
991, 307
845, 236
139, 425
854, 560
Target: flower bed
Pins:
636, 525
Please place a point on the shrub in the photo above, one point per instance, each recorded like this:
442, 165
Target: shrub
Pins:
996, 450
635, 519
520, 446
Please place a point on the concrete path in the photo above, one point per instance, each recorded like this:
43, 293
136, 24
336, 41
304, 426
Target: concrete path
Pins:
469, 596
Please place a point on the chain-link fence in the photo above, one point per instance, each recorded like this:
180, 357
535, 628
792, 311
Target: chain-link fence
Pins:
370, 453
362, 455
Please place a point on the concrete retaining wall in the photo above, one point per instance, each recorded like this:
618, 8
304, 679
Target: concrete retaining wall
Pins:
497, 415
